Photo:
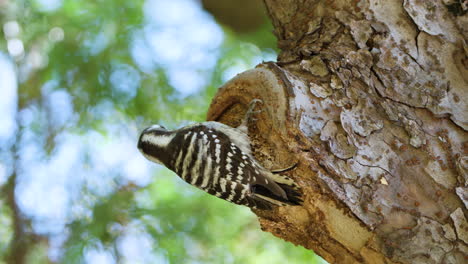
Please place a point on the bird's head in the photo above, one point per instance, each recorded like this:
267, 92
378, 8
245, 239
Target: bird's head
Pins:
153, 143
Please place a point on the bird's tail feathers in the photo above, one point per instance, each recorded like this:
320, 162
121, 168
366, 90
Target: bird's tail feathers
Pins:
263, 196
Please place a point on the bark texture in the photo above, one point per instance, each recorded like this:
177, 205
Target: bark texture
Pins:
369, 99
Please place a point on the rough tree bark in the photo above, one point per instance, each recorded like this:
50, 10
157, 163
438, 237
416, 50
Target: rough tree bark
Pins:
369, 98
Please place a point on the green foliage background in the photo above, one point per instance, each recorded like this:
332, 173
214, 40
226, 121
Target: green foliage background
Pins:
163, 220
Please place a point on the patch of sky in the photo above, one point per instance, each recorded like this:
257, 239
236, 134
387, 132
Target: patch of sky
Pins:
96, 42
56, 242
236, 67
139, 50
48, 5
8, 99
48, 188
104, 110
250, 56
98, 254
59, 104
186, 80
33, 135
186, 44
125, 80
136, 245
115, 159
45, 188
3, 174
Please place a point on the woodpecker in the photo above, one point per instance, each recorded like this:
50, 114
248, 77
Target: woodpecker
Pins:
218, 159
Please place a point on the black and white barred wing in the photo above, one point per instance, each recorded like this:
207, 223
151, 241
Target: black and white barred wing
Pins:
265, 188
209, 160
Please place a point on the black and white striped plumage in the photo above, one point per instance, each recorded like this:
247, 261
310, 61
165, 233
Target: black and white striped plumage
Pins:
217, 159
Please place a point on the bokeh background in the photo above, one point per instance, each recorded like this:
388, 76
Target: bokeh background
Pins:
79, 79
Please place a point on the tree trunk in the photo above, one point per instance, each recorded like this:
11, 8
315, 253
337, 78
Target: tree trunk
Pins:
369, 99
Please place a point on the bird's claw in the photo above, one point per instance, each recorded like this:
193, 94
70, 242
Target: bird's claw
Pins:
248, 115
251, 110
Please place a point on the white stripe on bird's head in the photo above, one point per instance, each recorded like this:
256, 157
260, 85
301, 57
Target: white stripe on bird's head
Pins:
157, 140
155, 127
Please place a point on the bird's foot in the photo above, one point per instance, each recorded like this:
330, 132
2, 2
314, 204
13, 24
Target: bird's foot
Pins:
250, 112
248, 115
